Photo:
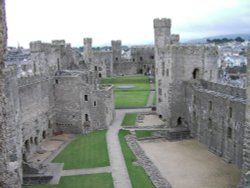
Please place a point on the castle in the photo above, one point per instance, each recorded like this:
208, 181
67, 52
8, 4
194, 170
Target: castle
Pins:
62, 94
188, 96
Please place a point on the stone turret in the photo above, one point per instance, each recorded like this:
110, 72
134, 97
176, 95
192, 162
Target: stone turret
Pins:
162, 30
175, 38
88, 53
116, 50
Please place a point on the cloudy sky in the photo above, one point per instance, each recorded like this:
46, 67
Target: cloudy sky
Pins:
130, 21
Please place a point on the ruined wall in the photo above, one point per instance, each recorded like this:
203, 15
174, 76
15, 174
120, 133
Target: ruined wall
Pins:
10, 130
36, 93
245, 174
67, 101
81, 107
37, 116
103, 64
217, 119
144, 57
48, 58
125, 68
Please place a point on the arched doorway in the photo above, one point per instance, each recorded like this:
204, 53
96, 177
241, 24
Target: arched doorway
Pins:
196, 73
179, 121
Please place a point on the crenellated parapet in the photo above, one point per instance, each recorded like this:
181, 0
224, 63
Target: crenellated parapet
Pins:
211, 51
116, 42
175, 38
164, 22
87, 41
59, 42
31, 79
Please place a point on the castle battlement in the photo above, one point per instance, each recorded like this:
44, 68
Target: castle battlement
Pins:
31, 79
207, 51
116, 42
175, 38
59, 42
87, 41
164, 22
39, 46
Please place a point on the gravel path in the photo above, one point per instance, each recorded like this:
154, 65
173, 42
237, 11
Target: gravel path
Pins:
118, 166
151, 96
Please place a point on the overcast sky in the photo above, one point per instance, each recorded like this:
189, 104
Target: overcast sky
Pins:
128, 20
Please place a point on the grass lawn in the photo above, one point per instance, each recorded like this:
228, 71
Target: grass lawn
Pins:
144, 133
103, 180
137, 174
129, 119
133, 97
86, 151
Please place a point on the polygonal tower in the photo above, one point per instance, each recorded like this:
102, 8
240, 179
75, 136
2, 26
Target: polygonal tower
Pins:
162, 31
116, 50
88, 53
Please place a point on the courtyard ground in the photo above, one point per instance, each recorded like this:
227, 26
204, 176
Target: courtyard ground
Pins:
189, 164
137, 96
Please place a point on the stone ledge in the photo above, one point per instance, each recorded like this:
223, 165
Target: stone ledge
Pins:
151, 170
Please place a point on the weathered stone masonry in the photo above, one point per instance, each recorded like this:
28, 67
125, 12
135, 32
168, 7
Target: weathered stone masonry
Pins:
10, 137
188, 96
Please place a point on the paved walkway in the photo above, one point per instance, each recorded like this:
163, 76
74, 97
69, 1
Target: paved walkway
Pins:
76, 172
151, 96
118, 166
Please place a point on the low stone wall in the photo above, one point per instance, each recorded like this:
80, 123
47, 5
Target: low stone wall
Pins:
151, 170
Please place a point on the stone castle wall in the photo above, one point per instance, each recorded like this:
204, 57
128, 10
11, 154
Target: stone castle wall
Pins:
81, 108
10, 131
188, 95
245, 175
216, 119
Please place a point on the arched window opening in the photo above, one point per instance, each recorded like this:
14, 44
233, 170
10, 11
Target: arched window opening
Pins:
44, 134
27, 145
36, 140
86, 117
210, 124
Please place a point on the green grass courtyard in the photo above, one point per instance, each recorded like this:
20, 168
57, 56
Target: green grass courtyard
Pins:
129, 119
102, 180
86, 151
132, 97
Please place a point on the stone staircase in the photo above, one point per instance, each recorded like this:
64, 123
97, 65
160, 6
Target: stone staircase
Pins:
177, 134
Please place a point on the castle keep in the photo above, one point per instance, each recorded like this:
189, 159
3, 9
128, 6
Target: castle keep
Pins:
61, 92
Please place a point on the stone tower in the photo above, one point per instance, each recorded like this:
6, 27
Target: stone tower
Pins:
162, 31
116, 51
10, 132
245, 176
176, 64
88, 53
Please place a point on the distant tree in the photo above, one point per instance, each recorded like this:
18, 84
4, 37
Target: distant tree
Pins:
239, 39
